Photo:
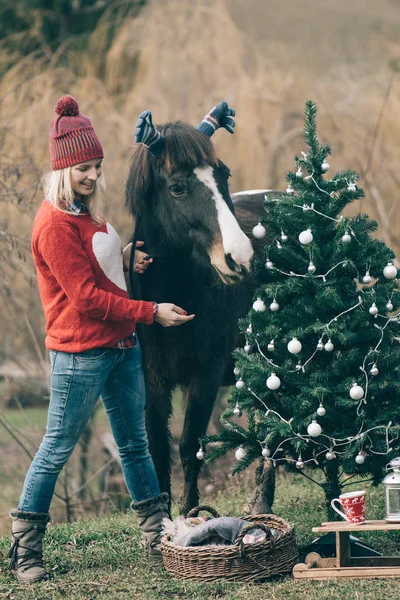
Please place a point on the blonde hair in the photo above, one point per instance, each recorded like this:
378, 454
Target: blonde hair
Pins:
58, 191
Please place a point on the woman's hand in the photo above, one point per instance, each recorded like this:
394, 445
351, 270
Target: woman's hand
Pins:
169, 315
141, 260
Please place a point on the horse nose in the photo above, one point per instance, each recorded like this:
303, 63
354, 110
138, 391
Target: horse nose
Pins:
240, 270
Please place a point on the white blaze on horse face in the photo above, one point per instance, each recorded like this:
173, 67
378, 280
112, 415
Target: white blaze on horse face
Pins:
234, 241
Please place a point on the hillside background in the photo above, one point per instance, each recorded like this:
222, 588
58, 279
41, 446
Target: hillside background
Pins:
178, 58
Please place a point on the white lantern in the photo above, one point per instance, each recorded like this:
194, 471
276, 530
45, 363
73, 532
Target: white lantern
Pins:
259, 231
294, 346
273, 382
259, 305
306, 237
392, 491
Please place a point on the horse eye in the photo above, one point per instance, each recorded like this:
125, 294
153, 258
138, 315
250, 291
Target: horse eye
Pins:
177, 190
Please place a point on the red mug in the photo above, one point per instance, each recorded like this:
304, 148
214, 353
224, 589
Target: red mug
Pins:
353, 504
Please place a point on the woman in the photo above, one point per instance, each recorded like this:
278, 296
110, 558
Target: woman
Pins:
90, 326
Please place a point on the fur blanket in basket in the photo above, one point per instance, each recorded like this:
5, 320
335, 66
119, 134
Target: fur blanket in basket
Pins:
203, 531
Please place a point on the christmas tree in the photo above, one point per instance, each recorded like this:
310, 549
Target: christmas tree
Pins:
318, 378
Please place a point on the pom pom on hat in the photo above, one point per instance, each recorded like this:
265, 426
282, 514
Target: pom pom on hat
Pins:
67, 106
72, 136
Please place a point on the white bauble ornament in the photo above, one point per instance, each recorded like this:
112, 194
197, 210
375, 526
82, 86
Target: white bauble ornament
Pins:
240, 453
266, 452
356, 392
273, 382
325, 166
247, 348
306, 237
289, 191
329, 346
390, 271
236, 371
294, 346
200, 454
274, 306
271, 346
311, 267
367, 278
389, 306
374, 370
299, 463
346, 238
373, 309
299, 173
314, 429
259, 305
330, 455
259, 231
360, 459
321, 410
236, 411
351, 187
240, 384
269, 265
283, 237
320, 345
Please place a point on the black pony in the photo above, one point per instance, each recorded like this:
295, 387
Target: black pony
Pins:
182, 208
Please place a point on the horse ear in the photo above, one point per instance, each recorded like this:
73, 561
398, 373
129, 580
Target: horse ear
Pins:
147, 134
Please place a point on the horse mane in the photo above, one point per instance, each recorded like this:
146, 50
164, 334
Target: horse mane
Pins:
184, 148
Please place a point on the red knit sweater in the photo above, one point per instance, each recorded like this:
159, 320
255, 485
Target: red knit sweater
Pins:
81, 282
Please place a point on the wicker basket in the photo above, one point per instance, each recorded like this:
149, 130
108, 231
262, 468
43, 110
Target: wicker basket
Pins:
239, 562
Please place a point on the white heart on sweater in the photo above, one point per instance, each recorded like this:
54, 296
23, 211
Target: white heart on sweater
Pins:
108, 252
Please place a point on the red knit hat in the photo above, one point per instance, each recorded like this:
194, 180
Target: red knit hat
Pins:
72, 137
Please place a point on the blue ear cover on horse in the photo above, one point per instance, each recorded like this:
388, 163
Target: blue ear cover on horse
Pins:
147, 134
219, 116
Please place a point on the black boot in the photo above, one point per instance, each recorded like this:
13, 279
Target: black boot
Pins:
150, 513
28, 530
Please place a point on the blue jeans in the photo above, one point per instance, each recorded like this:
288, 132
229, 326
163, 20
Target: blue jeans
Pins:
77, 381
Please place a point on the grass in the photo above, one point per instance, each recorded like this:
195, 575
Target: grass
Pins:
101, 558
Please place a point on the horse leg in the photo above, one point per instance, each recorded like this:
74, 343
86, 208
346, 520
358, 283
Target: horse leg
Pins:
201, 395
158, 414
